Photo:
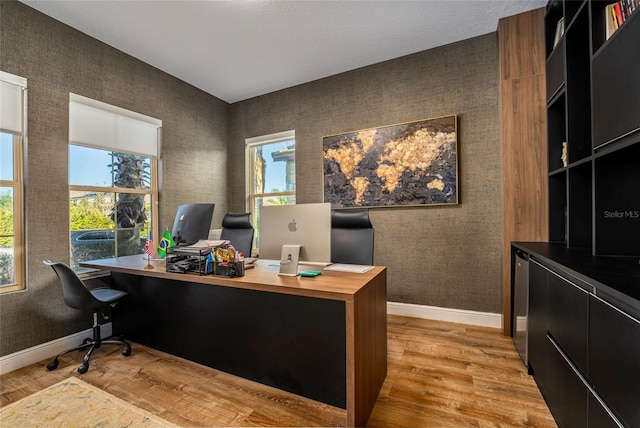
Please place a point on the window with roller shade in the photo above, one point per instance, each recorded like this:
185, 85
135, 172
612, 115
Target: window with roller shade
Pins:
113, 174
13, 98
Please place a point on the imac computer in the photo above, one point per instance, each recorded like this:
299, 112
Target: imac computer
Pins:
306, 225
192, 223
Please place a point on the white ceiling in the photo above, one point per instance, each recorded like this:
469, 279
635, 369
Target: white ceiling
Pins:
236, 50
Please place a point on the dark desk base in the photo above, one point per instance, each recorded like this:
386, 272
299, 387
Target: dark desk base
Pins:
293, 343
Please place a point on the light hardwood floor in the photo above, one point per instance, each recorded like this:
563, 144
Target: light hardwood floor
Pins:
439, 375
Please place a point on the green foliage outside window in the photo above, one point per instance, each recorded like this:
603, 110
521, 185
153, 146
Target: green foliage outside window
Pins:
6, 228
122, 216
86, 215
6, 219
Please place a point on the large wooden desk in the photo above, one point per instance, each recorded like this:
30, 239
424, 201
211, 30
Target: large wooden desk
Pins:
324, 338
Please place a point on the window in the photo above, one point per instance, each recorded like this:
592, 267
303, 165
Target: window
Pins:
112, 180
12, 125
271, 173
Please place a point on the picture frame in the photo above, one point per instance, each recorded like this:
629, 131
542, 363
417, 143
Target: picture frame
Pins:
407, 164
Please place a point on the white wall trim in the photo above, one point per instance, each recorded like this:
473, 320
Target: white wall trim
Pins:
37, 353
483, 319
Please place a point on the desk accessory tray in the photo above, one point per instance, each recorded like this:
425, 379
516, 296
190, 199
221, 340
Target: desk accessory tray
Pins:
179, 261
230, 269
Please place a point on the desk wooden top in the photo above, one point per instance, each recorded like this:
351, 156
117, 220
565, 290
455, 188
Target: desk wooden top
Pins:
331, 285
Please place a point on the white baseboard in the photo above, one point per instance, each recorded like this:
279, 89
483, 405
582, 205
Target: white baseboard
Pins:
23, 358
483, 319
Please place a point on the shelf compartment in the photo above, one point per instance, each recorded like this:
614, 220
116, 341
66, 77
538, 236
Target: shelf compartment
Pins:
555, 12
555, 70
616, 92
571, 9
558, 207
617, 204
598, 24
578, 87
579, 206
556, 132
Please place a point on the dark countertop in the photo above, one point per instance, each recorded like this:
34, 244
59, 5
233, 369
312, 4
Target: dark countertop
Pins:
616, 279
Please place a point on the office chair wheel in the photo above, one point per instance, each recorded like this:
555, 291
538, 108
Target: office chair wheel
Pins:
53, 365
127, 351
83, 368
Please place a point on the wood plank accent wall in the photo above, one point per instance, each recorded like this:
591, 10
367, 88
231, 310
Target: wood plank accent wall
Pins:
523, 138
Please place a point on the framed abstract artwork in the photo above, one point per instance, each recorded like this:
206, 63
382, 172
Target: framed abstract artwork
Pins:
413, 163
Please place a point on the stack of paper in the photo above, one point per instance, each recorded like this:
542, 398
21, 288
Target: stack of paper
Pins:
343, 267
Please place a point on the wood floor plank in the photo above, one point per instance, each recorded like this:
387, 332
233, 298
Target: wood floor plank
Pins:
439, 375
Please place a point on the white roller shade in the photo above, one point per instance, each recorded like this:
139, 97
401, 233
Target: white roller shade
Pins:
11, 108
100, 125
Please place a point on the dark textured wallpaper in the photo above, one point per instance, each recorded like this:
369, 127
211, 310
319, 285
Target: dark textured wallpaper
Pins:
447, 256
56, 60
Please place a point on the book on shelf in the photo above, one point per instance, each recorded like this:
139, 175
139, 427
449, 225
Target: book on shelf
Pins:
615, 14
559, 32
611, 23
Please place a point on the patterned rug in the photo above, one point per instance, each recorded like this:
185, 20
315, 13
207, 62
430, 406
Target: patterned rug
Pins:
74, 403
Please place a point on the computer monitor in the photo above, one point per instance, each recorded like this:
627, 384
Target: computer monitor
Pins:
307, 225
192, 223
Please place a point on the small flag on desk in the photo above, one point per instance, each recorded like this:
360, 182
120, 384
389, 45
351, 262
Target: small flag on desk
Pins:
148, 248
165, 243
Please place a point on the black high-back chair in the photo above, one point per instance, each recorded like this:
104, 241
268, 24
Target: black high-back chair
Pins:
351, 237
237, 228
78, 296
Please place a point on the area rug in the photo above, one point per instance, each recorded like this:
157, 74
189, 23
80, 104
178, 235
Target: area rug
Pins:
74, 403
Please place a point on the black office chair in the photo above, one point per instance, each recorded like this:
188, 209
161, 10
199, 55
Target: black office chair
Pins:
237, 228
78, 296
351, 237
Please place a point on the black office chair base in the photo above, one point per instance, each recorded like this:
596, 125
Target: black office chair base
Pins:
93, 344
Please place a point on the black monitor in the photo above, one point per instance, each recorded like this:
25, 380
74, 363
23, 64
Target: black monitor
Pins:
192, 223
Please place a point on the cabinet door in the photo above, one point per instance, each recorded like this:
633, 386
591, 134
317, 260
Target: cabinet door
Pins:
598, 415
568, 320
566, 394
614, 360
537, 334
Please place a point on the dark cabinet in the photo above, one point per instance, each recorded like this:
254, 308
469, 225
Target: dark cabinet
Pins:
568, 318
537, 329
584, 335
593, 128
569, 126
565, 393
614, 359
550, 323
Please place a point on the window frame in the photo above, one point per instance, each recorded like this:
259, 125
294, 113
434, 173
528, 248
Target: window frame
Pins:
17, 185
152, 190
250, 145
